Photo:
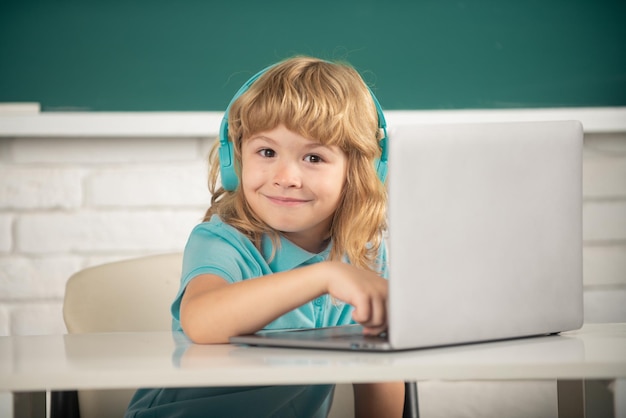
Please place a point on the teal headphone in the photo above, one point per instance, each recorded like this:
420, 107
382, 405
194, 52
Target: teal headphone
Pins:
230, 181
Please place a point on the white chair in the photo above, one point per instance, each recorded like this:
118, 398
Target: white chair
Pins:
108, 298
133, 295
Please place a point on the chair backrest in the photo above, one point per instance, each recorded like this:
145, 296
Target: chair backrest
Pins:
129, 295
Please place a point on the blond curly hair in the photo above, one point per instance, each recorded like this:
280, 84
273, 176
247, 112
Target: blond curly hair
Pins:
324, 101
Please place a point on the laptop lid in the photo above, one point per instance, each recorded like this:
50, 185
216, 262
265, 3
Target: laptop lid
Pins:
485, 229
485, 237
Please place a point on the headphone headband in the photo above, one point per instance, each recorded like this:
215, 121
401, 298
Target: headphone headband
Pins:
230, 181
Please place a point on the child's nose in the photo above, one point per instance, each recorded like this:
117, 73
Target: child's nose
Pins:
287, 174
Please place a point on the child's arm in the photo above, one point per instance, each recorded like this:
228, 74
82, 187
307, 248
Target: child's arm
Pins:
378, 399
212, 310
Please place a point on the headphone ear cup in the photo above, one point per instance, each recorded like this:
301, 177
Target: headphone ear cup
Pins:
381, 169
230, 181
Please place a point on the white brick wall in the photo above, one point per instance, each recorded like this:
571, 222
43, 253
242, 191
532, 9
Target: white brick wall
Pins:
6, 234
36, 188
604, 227
68, 203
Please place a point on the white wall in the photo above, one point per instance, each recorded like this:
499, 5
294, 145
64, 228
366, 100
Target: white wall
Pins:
77, 199
68, 203
604, 227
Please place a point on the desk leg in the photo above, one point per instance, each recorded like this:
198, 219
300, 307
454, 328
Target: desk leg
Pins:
411, 405
64, 404
29, 404
585, 398
620, 398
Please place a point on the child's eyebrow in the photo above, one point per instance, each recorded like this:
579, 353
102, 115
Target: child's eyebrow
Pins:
260, 138
311, 144
318, 145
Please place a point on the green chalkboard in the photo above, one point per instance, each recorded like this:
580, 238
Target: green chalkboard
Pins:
157, 55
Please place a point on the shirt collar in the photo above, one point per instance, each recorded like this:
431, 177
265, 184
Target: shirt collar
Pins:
288, 255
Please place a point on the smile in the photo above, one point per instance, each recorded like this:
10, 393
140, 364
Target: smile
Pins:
286, 201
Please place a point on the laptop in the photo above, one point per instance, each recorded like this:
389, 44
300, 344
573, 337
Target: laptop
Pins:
485, 238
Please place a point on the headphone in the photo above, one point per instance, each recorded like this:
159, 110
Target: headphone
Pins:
230, 181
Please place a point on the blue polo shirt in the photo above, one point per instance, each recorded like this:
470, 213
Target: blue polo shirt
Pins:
215, 247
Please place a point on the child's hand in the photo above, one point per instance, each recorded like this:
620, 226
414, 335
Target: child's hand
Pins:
365, 291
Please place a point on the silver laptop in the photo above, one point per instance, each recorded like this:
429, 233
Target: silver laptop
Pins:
485, 238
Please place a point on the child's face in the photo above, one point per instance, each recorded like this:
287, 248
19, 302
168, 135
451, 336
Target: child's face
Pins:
293, 184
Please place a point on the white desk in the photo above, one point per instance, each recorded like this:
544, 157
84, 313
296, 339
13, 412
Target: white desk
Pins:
163, 359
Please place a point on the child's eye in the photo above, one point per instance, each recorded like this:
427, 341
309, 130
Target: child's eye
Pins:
267, 153
313, 158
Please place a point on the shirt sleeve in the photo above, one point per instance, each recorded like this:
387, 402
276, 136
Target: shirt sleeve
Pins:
212, 250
